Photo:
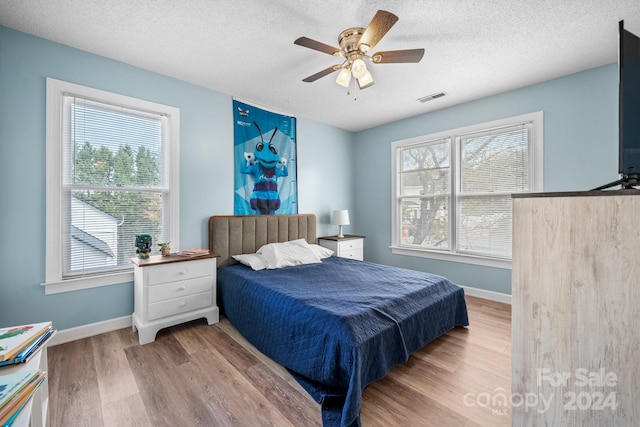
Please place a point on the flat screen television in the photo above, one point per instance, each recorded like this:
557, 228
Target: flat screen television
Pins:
628, 110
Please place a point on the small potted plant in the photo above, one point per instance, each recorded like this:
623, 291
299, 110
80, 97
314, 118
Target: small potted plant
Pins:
165, 250
143, 245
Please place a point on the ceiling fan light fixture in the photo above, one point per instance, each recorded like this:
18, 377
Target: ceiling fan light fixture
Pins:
344, 77
355, 44
365, 81
359, 68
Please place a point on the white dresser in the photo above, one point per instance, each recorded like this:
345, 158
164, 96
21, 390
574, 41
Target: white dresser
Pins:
348, 246
173, 289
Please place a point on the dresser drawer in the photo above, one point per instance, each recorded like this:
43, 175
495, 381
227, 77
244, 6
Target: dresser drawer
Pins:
180, 271
174, 306
181, 288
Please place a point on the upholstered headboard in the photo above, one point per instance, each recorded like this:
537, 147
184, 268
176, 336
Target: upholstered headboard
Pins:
233, 235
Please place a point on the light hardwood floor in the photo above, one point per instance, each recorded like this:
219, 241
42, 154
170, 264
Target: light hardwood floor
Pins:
200, 375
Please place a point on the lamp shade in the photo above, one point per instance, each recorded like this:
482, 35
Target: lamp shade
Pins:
344, 77
358, 68
340, 217
365, 81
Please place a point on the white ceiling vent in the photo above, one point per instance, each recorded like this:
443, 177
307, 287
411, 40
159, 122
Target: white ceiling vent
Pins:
432, 96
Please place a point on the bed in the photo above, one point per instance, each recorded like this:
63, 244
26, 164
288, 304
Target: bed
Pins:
336, 325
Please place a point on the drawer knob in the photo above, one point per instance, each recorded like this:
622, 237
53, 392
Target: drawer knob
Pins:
182, 304
182, 288
182, 273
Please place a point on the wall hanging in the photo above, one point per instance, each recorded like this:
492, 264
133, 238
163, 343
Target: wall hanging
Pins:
265, 161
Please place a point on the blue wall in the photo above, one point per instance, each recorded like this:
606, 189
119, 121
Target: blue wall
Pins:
336, 169
580, 153
206, 171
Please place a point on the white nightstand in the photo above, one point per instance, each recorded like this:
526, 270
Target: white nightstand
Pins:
348, 246
173, 289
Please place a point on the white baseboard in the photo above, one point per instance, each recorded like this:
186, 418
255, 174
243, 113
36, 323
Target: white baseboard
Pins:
85, 331
490, 295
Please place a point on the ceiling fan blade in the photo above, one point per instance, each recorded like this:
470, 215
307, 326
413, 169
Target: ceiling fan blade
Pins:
378, 27
397, 56
322, 73
316, 45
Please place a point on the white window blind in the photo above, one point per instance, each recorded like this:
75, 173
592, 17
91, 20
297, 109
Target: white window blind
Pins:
117, 169
453, 189
493, 165
113, 183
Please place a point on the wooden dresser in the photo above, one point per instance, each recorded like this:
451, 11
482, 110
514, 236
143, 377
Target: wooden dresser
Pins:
576, 309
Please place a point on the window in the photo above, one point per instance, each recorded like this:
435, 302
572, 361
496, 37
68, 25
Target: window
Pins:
112, 173
452, 190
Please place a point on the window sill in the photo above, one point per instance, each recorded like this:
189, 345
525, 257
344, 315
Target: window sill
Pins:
447, 256
70, 285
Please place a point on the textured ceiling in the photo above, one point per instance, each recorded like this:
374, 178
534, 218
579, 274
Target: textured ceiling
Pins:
474, 48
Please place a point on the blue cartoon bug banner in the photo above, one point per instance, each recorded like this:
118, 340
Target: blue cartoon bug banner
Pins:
265, 162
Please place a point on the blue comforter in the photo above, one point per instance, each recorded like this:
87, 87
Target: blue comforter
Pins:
339, 325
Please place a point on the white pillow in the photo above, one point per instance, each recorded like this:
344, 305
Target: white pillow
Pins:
255, 261
287, 254
321, 251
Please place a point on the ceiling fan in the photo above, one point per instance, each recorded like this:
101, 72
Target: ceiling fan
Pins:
355, 44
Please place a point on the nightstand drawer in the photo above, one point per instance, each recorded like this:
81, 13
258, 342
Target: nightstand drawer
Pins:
180, 271
174, 306
355, 254
345, 246
180, 289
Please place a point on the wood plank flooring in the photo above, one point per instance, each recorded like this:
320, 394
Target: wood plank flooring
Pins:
200, 375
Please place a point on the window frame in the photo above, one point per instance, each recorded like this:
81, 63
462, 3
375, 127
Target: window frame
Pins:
454, 135
54, 247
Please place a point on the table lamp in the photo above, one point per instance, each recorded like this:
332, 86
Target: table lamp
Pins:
340, 217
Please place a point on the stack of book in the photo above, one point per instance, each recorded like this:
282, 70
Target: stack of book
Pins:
193, 252
18, 344
15, 391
